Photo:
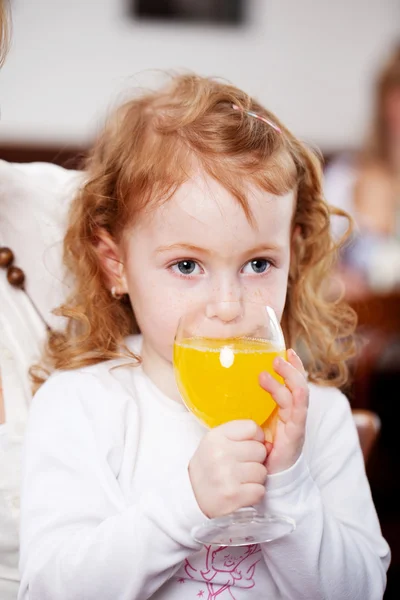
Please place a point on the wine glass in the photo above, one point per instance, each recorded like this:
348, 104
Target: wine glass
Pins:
220, 349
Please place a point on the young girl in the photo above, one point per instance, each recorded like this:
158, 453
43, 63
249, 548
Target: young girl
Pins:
194, 192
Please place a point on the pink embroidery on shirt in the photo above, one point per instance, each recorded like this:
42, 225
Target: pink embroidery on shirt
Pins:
229, 565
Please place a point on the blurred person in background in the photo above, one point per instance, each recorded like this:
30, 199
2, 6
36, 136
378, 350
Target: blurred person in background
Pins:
367, 184
31, 215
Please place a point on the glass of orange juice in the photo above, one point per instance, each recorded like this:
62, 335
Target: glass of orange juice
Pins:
220, 350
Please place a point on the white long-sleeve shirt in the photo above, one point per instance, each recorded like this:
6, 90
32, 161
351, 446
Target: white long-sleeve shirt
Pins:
107, 507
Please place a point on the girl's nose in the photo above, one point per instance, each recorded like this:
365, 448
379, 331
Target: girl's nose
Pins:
226, 293
224, 311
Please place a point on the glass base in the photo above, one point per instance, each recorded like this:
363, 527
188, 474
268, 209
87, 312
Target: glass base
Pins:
242, 528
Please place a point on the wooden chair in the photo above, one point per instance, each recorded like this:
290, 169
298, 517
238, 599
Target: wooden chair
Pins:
379, 327
368, 426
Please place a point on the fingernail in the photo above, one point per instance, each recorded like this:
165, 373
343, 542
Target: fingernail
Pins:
267, 375
292, 352
278, 361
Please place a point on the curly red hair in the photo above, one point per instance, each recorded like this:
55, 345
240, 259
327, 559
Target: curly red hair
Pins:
145, 152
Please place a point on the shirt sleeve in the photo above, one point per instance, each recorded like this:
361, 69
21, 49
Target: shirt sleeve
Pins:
80, 537
337, 551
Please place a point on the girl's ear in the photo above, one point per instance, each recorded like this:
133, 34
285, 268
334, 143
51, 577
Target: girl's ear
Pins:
296, 233
110, 259
295, 239
295, 251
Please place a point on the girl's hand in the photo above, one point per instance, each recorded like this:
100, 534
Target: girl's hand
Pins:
292, 399
227, 470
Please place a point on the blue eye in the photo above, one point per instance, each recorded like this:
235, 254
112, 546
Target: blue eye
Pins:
186, 267
258, 266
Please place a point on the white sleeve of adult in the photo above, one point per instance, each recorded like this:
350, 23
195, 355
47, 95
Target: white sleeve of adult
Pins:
80, 538
337, 551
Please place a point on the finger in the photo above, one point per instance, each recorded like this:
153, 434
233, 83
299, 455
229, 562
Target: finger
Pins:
242, 430
293, 378
279, 392
268, 447
251, 494
296, 361
300, 406
253, 473
250, 451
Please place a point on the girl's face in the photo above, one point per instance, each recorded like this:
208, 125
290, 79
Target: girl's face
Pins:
199, 246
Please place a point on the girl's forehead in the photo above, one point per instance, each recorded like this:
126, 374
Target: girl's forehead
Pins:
202, 212
204, 201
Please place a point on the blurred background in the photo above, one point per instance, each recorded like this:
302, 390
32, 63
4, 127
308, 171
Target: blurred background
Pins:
330, 71
311, 62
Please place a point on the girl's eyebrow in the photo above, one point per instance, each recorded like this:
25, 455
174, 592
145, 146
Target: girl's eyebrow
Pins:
191, 248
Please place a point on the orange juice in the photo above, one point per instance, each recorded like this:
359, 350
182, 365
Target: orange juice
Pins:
218, 378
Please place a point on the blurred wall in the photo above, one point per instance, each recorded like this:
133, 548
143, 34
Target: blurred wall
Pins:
311, 61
